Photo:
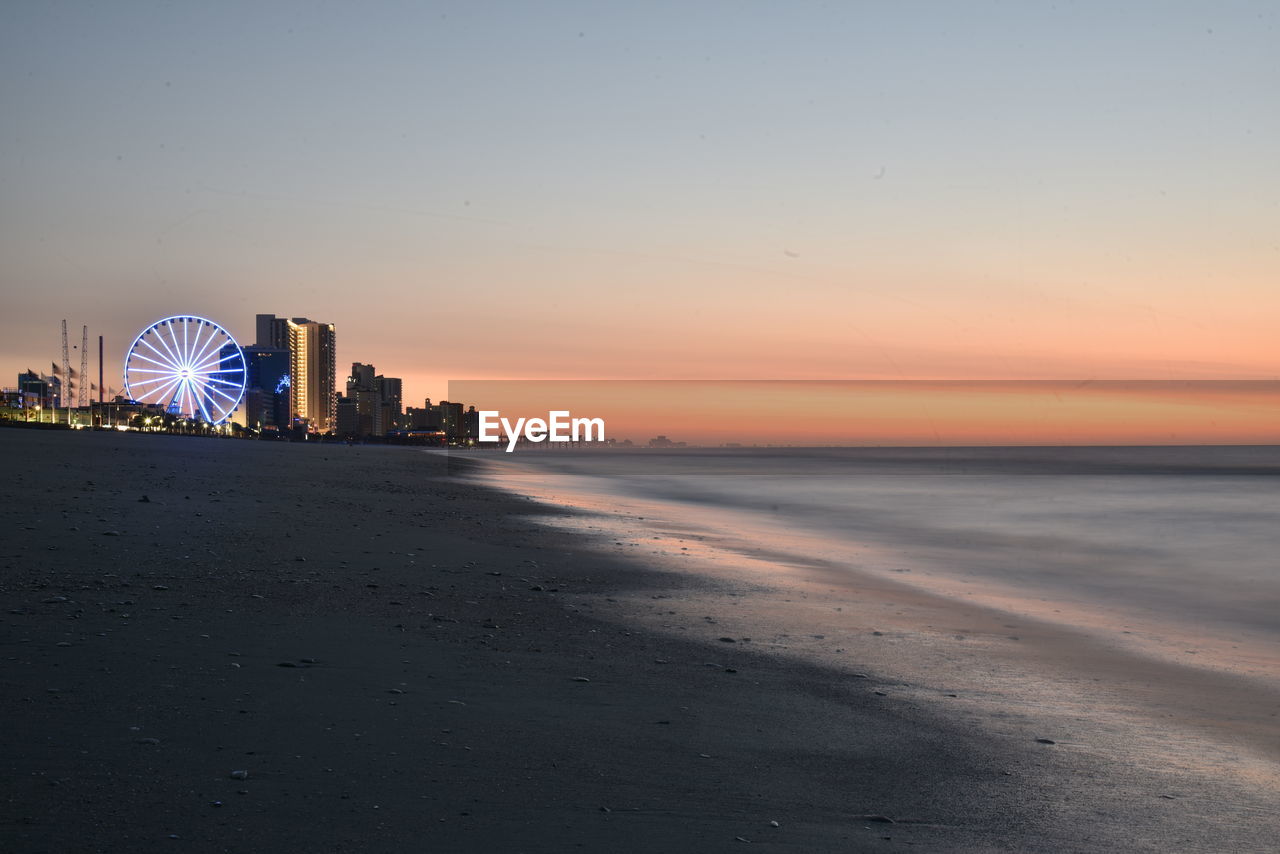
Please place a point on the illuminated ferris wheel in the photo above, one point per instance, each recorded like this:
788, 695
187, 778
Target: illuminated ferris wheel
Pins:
189, 365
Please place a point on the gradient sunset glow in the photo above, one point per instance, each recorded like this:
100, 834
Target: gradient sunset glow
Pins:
861, 191
927, 413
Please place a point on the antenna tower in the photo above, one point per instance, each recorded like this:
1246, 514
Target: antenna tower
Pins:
83, 385
64, 390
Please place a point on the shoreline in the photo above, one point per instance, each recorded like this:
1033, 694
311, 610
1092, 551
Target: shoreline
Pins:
434, 695
1197, 723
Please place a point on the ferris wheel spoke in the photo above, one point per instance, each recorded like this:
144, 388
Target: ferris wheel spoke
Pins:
172, 344
167, 367
214, 357
230, 399
166, 356
173, 400
204, 363
190, 397
185, 406
172, 359
154, 336
225, 404
193, 399
214, 382
189, 338
198, 403
169, 343
167, 361
214, 379
184, 347
167, 371
213, 367
194, 346
168, 377
210, 362
223, 394
165, 394
205, 353
203, 409
158, 382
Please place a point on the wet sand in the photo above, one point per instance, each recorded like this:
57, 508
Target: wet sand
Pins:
403, 660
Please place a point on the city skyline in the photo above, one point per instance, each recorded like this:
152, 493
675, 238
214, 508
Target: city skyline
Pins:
726, 192
291, 384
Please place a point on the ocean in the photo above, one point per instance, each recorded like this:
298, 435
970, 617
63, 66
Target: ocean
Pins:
1130, 587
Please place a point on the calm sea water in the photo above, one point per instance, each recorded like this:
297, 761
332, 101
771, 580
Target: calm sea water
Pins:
1176, 540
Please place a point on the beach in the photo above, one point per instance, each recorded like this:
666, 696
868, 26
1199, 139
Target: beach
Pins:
218, 645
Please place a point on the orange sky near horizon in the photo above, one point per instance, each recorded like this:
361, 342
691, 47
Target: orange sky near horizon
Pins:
902, 413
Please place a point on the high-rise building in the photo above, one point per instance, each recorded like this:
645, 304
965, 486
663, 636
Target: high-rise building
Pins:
347, 420
470, 426
362, 378
451, 420
267, 398
312, 352
372, 404
457, 425
273, 332
390, 391
426, 417
313, 398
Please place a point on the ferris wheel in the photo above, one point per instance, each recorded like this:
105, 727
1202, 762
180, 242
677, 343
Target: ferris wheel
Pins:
191, 366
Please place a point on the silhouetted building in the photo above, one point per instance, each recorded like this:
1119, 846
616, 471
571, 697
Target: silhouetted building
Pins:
470, 425
371, 406
267, 395
272, 332
425, 417
458, 426
347, 417
451, 420
389, 388
36, 390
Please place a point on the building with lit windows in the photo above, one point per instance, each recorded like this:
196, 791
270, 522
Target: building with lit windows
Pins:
372, 405
312, 347
449, 418
267, 400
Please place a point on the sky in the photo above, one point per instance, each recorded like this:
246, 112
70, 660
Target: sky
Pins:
662, 191
892, 412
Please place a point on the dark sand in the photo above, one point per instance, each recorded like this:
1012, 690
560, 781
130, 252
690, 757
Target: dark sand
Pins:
399, 659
